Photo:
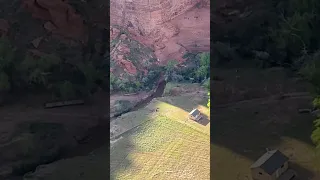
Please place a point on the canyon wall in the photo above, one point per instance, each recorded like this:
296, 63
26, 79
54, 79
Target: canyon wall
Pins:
169, 27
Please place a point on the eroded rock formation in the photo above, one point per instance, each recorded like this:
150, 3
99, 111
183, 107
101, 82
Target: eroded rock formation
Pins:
60, 16
169, 27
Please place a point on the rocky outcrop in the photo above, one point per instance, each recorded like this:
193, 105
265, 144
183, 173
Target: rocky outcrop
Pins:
61, 18
169, 27
128, 56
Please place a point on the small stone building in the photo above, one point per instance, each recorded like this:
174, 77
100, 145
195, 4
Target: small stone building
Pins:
195, 115
269, 166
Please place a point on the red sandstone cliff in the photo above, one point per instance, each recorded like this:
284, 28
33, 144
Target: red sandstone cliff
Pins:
169, 27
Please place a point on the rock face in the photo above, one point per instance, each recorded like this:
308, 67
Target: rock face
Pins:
60, 16
169, 27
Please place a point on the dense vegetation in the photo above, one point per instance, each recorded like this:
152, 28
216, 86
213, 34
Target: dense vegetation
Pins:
49, 73
298, 35
287, 32
288, 37
146, 83
196, 69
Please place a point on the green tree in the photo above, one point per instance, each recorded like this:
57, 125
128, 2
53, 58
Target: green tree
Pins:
7, 63
4, 82
91, 74
204, 69
7, 53
67, 90
315, 136
170, 68
297, 30
36, 71
208, 104
207, 86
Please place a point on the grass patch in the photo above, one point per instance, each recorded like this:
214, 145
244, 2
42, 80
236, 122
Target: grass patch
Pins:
162, 146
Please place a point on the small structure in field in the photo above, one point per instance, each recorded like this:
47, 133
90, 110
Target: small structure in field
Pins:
195, 115
273, 165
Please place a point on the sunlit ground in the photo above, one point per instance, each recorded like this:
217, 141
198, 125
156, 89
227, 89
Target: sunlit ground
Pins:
242, 133
227, 164
165, 146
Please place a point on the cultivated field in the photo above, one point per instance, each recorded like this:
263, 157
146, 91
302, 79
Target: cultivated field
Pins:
163, 144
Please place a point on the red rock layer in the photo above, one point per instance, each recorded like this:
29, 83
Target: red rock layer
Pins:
60, 16
170, 27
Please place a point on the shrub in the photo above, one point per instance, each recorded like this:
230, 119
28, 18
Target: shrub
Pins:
67, 90
4, 82
7, 63
223, 53
35, 72
311, 70
123, 105
170, 67
7, 52
297, 30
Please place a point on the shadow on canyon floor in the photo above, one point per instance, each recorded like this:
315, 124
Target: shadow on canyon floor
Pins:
248, 129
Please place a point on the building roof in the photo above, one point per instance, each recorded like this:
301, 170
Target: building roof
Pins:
194, 112
288, 175
270, 161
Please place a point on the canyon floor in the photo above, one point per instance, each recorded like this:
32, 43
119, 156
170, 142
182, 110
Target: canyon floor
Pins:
162, 141
159, 142
260, 109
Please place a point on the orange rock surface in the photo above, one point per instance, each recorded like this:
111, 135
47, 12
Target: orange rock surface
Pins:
170, 27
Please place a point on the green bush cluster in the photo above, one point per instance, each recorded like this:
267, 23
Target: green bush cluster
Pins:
142, 83
196, 69
48, 73
285, 31
7, 63
297, 31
